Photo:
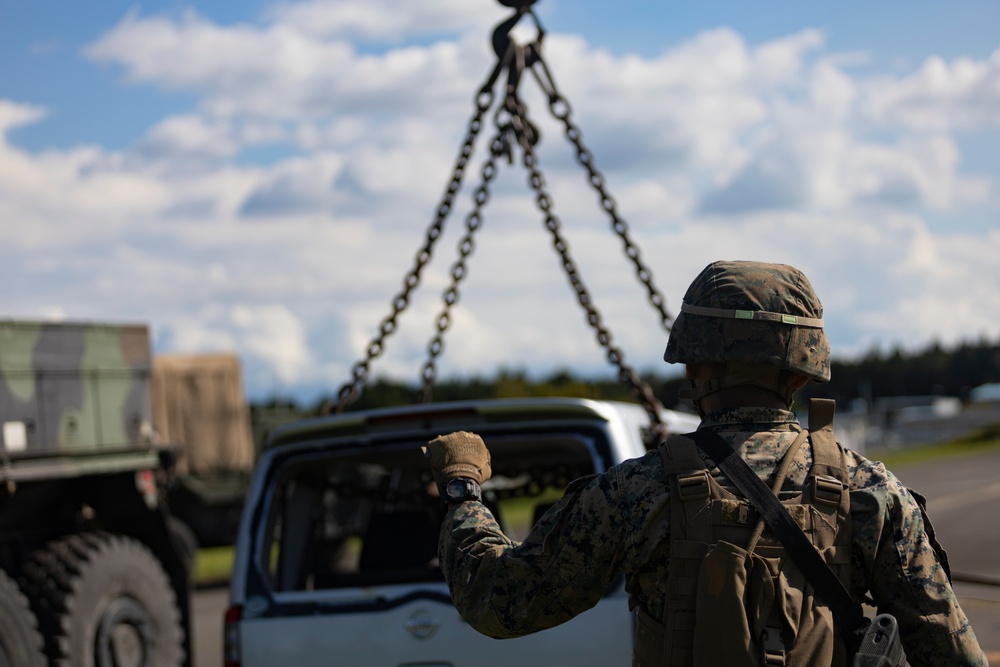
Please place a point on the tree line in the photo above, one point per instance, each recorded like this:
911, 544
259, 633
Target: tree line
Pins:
933, 371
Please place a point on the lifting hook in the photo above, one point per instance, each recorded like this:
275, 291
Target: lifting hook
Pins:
515, 58
502, 41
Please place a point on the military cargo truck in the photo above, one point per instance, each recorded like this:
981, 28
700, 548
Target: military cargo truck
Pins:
199, 405
93, 568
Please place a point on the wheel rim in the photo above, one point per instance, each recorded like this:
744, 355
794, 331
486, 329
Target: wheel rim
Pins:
125, 635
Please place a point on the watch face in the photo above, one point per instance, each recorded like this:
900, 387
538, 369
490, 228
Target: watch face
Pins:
461, 489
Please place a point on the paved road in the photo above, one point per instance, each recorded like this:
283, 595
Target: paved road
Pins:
209, 606
963, 503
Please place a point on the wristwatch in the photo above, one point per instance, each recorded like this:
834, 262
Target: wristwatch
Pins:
461, 489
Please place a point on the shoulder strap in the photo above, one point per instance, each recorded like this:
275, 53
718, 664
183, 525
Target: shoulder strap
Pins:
679, 454
779, 481
827, 457
847, 613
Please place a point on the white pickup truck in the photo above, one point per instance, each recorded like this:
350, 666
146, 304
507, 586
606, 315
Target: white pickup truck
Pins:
336, 556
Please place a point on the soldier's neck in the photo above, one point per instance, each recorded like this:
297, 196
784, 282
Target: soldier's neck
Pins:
742, 397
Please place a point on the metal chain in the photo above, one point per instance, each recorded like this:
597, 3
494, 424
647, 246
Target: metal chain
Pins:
628, 375
473, 222
514, 60
349, 392
561, 110
500, 146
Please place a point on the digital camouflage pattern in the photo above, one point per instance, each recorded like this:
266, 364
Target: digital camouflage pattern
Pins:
751, 287
73, 387
619, 521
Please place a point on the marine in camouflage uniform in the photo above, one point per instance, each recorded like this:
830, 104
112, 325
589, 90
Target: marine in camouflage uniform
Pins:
743, 324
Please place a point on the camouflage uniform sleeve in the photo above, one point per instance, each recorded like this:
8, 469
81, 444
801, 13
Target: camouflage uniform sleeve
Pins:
504, 589
899, 565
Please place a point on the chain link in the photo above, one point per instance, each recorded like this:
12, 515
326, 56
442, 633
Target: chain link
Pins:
628, 375
561, 110
515, 128
349, 392
473, 222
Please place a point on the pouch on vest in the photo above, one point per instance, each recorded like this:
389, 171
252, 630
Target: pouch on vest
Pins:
735, 597
735, 591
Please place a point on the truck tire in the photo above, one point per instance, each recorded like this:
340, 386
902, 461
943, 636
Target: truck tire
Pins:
20, 642
104, 601
185, 541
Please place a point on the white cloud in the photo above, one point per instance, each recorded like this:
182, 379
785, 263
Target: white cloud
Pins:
274, 334
832, 93
193, 141
963, 95
14, 115
65, 197
270, 338
382, 19
833, 169
690, 102
821, 153
294, 186
781, 61
715, 148
282, 71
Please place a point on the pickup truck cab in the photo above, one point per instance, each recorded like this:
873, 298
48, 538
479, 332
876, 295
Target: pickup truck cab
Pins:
336, 555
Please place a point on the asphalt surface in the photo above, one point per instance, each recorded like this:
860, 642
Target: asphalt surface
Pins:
209, 607
963, 502
964, 506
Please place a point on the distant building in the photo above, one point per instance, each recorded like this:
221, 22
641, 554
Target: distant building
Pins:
986, 393
892, 410
912, 420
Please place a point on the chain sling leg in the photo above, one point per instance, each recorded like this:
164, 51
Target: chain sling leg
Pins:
514, 129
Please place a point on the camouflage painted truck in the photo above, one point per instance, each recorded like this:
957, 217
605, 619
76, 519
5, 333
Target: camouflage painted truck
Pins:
93, 568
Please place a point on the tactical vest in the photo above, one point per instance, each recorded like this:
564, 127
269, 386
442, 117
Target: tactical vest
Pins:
734, 597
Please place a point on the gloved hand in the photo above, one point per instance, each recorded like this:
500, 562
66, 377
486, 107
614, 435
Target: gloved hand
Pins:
459, 454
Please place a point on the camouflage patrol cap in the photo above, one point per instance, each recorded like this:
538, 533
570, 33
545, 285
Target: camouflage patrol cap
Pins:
751, 312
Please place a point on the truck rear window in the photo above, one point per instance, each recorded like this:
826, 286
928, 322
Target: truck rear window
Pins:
367, 516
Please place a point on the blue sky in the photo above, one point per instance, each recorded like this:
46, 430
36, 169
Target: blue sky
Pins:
41, 42
257, 176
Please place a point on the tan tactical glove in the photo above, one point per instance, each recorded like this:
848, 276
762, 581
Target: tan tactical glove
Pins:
459, 454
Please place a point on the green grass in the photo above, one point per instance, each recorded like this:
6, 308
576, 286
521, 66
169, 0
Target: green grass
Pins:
213, 566
984, 440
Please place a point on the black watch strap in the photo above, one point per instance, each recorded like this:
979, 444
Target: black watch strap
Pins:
460, 490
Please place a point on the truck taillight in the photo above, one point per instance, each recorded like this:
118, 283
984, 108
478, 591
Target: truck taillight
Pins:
231, 637
145, 483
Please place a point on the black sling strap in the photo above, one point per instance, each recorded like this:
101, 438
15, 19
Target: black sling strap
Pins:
846, 612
